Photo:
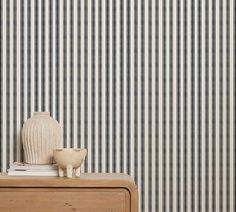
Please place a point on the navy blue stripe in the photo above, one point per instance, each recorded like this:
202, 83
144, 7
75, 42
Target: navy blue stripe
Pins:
8, 83
79, 73
164, 193
214, 105
178, 105
36, 93
43, 54
128, 89
221, 106
143, 149
207, 104
199, 106
149, 151
57, 62
170, 65
136, 91
157, 107
185, 75
93, 87
114, 86
64, 98
107, 85
228, 84
86, 80
29, 58
22, 66
121, 86
14, 78
50, 83
193, 113
100, 85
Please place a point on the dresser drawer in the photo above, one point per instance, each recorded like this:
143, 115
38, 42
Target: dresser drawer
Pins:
63, 199
89, 193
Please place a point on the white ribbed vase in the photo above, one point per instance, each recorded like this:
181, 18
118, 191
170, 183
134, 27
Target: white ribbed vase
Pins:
40, 135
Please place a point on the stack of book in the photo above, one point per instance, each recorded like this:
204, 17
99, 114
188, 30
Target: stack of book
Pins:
23, 169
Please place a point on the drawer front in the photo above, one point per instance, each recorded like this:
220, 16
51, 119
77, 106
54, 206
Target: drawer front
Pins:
63, 200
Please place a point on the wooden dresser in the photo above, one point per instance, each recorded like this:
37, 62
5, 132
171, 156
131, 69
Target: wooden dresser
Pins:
89, 193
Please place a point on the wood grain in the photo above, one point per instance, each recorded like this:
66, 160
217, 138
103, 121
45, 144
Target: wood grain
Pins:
91, 192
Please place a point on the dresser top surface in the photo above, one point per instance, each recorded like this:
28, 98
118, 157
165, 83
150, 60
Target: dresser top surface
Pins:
86, 180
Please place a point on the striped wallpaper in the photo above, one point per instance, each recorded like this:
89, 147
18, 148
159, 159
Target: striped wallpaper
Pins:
147, 86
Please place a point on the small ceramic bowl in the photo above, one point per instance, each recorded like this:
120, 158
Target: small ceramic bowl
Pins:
69, 160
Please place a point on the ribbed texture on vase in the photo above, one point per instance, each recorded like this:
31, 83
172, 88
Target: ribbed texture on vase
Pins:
40, 135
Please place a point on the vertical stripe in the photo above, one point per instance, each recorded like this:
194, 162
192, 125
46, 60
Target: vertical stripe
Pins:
7, 79
114, 52
75, 68
110, 79
85, 78
1, 68
153, 114
93, 88
217, 105
174, 109
148, 87
11, 119
232, 108
107, 68
89, 92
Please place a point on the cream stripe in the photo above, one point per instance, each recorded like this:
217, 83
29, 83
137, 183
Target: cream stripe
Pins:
132, 70
96, 86
140, 182
4, 67
232, 85
11, 83
153, 127
46, 57
32, 95
167, 86
197, 105
224, 106
118, 86
68, 74
146, 103
75, 130
125, 69
174, 18
25, 61
217, 106
54, 52
18, 81
103, 86
189, 95
39, 56
160, 107
210, 108
61, 69
111, 140
203, 109
89, 86
82, 44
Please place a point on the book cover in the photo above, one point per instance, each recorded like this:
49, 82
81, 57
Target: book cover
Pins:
25, 166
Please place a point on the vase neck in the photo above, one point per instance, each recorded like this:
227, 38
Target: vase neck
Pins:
41, 113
